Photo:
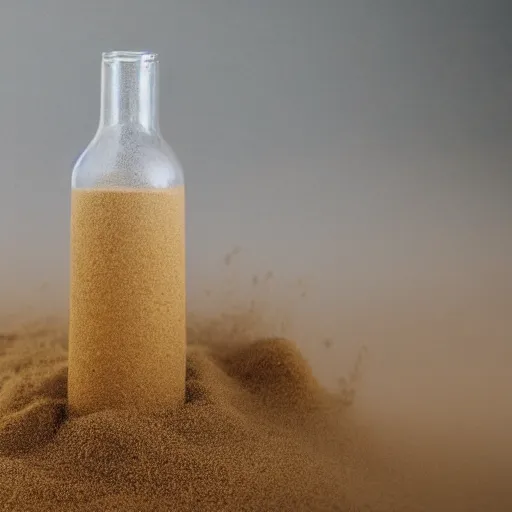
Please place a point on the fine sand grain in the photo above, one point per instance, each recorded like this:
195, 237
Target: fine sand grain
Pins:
257, 432
127, 300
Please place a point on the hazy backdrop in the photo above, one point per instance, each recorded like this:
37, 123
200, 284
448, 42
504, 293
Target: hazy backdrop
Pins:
359, 150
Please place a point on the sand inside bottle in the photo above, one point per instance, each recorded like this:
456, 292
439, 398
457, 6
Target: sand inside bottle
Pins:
127, 317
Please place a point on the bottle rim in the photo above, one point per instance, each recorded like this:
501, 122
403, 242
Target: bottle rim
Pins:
129, 56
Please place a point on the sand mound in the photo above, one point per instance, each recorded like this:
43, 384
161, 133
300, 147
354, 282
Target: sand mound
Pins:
257, 432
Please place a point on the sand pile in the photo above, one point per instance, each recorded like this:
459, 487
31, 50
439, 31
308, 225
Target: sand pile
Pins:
257, 432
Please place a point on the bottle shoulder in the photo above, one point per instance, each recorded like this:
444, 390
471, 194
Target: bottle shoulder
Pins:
127, 156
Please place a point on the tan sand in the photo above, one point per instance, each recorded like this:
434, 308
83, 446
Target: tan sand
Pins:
257, 432
127, 311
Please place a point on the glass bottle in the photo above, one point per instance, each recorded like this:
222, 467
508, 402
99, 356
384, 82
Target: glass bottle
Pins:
127, 291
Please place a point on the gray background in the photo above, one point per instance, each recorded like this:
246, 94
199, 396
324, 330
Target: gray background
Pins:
358, 144
359, 150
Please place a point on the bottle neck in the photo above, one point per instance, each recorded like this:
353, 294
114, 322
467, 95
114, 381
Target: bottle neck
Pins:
129, 90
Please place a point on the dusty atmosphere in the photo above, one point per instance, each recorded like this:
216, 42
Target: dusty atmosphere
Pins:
405, 408
358, 155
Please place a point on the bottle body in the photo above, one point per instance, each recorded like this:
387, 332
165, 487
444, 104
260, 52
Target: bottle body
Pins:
127, 331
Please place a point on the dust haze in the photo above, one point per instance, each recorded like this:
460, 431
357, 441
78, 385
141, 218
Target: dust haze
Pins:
429, 370
348, 178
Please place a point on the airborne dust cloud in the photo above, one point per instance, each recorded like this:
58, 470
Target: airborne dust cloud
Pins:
406, 408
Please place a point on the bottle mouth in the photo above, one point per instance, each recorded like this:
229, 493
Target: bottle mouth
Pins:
129, 56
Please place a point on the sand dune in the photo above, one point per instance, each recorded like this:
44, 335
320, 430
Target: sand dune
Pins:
259, 432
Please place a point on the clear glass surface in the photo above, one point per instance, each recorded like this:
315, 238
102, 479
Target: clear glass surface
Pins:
128, 150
